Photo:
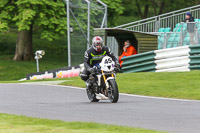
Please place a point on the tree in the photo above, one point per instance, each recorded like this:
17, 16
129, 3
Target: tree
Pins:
115, 8
149, 8
46, 16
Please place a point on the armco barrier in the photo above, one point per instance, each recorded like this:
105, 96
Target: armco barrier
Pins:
139, 58
141, 67
172, 62
177, 59
172, 52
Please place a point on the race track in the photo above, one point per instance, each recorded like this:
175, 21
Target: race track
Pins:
71, 104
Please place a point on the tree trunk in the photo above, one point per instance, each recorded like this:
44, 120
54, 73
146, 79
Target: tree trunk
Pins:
139, 9
154, 4
24, 49
162, 5
146, 11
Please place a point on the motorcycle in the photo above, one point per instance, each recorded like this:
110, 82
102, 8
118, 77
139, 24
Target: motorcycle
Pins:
102, 82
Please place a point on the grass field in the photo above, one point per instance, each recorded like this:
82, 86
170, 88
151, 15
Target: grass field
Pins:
12, 70
55, 56
184, 85
22, 124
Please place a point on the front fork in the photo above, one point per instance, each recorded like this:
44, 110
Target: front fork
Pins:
106, 80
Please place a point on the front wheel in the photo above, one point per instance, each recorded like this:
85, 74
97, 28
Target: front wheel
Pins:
113, 93
91, 95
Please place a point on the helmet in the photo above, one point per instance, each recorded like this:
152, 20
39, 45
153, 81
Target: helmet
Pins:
97, 41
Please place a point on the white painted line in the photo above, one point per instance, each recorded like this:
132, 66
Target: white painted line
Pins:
160, 98
63, 86
123, 94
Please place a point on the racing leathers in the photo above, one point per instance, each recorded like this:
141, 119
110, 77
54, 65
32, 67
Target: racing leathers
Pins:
93, 58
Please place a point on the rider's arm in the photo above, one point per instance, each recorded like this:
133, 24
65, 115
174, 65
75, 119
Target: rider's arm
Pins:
130, 51
109, 53
87, 61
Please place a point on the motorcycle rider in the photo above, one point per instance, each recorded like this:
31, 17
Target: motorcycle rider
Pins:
93, 57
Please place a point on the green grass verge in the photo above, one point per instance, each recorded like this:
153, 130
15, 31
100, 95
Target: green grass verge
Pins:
12, 70
183, 85
22, 124
55, 56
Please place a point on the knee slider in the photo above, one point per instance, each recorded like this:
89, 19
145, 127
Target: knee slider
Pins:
84, 77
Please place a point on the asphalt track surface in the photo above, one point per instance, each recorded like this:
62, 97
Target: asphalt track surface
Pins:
71, 104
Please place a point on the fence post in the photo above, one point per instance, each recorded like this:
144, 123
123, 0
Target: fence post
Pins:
157, 24
181, 37
68, 34
196, 33
165, 41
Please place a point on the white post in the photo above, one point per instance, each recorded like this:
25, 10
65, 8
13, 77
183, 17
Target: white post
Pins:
88, 30
106, 14
68, 34
37, 63
104, 22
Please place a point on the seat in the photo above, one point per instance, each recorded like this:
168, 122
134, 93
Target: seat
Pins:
177, 25
176, 41
186, 41
177, 35
159, 45
161, 40
170, 39
187, 34
177, 29
170, 42
161, 29
173, 35
169, 45
175, 44
167, 29
184, 25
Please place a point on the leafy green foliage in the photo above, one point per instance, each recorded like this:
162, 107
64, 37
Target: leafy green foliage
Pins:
155, 7
115, 8
47, 16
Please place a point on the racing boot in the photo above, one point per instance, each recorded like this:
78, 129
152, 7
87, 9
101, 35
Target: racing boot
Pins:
88, 84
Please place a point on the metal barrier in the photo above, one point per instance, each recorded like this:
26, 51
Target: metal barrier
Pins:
183, 58
170, 19
139, 58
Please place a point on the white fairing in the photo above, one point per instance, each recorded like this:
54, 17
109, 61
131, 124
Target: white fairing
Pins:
107, 64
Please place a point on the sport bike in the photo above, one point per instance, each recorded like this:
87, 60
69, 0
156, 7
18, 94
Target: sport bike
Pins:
102, 83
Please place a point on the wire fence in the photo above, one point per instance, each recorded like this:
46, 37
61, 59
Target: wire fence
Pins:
80, 21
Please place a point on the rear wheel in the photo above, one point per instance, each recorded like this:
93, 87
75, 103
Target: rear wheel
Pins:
91, 95
113, 93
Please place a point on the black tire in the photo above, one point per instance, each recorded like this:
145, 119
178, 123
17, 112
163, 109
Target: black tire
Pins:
113, 93
91, 95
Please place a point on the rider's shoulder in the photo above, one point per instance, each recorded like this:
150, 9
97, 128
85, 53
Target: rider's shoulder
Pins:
89, 50
106, 48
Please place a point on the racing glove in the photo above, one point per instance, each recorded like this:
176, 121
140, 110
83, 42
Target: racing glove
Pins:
91, 70
117, 67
